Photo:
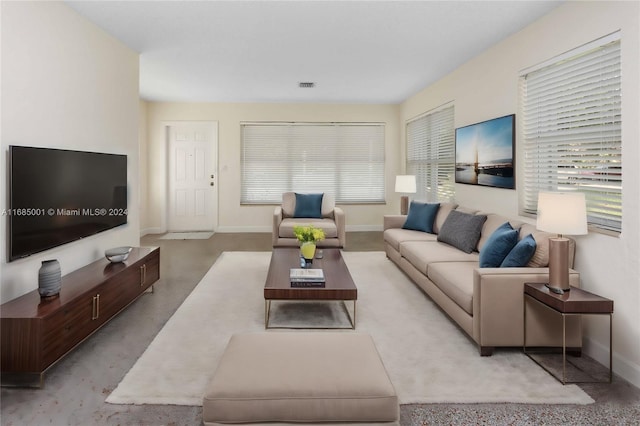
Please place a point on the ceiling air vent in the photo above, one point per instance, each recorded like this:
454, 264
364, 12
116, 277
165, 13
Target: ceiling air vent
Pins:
306, 84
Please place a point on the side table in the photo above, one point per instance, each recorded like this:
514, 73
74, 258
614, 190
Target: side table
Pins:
573, 302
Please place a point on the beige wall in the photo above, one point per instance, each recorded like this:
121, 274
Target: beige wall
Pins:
143, 163
65, 84
487, 87
233, 216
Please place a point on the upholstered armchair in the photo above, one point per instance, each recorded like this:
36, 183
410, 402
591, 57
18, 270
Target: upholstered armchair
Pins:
330, 218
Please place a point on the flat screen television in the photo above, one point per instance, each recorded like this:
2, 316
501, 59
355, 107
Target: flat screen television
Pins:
57, 196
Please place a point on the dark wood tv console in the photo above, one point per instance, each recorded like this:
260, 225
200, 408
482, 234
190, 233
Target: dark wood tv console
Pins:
36, 333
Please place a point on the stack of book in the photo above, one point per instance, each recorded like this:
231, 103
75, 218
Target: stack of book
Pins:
306, 277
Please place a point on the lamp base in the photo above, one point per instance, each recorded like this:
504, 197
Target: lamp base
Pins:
557, 290
404, 205
558, 265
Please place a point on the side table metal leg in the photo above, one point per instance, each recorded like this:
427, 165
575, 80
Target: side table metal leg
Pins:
524, 324
564, 349
610, 348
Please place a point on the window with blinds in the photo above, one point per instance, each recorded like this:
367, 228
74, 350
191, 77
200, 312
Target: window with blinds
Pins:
431, 154
345, 160
571, 121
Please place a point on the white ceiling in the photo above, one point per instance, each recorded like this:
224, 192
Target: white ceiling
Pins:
258, 51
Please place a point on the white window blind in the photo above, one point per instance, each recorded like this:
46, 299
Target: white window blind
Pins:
345, 160
571, 122
431, 154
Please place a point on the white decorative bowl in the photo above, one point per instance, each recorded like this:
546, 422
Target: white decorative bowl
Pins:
118, 254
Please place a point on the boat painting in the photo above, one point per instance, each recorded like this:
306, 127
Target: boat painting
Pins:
484, 153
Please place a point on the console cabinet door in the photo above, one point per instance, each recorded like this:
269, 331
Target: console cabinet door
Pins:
66, 328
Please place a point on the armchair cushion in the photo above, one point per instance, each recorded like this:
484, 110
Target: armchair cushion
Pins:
308, 205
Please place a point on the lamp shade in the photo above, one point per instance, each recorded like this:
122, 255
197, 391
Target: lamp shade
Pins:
563, 213
406, 184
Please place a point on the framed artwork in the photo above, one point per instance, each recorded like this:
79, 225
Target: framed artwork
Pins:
485, 153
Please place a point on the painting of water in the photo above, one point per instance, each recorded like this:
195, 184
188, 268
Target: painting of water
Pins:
484, 153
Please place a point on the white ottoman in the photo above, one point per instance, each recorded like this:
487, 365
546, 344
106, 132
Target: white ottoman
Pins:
300, 377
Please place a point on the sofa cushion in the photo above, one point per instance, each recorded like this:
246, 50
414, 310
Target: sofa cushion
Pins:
498, 246
327, 225
308, 205
540, 258
421, 216
491, 224
441, 216
462, 230
455, 279
520, 254
397, 236
423, 253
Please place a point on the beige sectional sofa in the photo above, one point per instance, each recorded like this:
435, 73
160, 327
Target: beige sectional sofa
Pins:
487, 303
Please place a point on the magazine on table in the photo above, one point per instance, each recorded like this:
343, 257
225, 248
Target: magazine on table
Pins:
300, 275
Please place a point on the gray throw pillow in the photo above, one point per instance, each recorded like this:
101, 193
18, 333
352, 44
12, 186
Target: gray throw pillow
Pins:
462, 230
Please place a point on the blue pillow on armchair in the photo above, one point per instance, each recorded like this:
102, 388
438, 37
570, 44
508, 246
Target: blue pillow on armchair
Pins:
308, 206
421, 216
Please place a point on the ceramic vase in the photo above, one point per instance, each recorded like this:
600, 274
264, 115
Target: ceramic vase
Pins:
49, 278
308, 250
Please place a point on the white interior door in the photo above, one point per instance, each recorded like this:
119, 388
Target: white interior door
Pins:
192, 177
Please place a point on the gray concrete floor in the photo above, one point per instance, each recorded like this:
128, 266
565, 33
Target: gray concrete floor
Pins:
76, 387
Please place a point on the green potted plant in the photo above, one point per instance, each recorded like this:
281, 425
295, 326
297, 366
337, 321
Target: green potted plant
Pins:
308, 236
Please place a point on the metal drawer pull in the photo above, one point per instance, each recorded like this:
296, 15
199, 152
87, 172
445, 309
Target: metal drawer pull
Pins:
143, 274
96, 307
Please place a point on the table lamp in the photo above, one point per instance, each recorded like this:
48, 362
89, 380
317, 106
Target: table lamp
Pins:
405, 184
562, 213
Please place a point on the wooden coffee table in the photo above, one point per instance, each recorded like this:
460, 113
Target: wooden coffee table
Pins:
339, 285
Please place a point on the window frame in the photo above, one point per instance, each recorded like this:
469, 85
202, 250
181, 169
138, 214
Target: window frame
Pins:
433, 163
343, 159
577, 147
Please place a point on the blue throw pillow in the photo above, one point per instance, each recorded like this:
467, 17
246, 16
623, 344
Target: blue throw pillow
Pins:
308, 206
521, 254
421, 216
498, 246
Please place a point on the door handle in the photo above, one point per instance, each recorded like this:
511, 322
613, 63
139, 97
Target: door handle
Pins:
212, 184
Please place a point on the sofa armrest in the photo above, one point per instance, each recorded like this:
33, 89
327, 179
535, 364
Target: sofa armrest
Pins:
498, 303
394, 221
339, 217
277, 220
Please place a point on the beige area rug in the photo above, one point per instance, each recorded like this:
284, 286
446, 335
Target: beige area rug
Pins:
187, 236
428, 358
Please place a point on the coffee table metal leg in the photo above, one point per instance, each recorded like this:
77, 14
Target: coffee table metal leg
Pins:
352, 319
354, 314
267, 311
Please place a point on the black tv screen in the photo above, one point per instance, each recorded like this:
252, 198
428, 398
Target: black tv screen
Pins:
57, 196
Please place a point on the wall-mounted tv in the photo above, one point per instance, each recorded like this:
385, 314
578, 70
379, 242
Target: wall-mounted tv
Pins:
57, 196
485, 152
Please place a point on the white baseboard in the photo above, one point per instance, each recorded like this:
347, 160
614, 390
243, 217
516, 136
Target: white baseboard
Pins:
243, 229
350, 228
364, 228
148, 231
621, 366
